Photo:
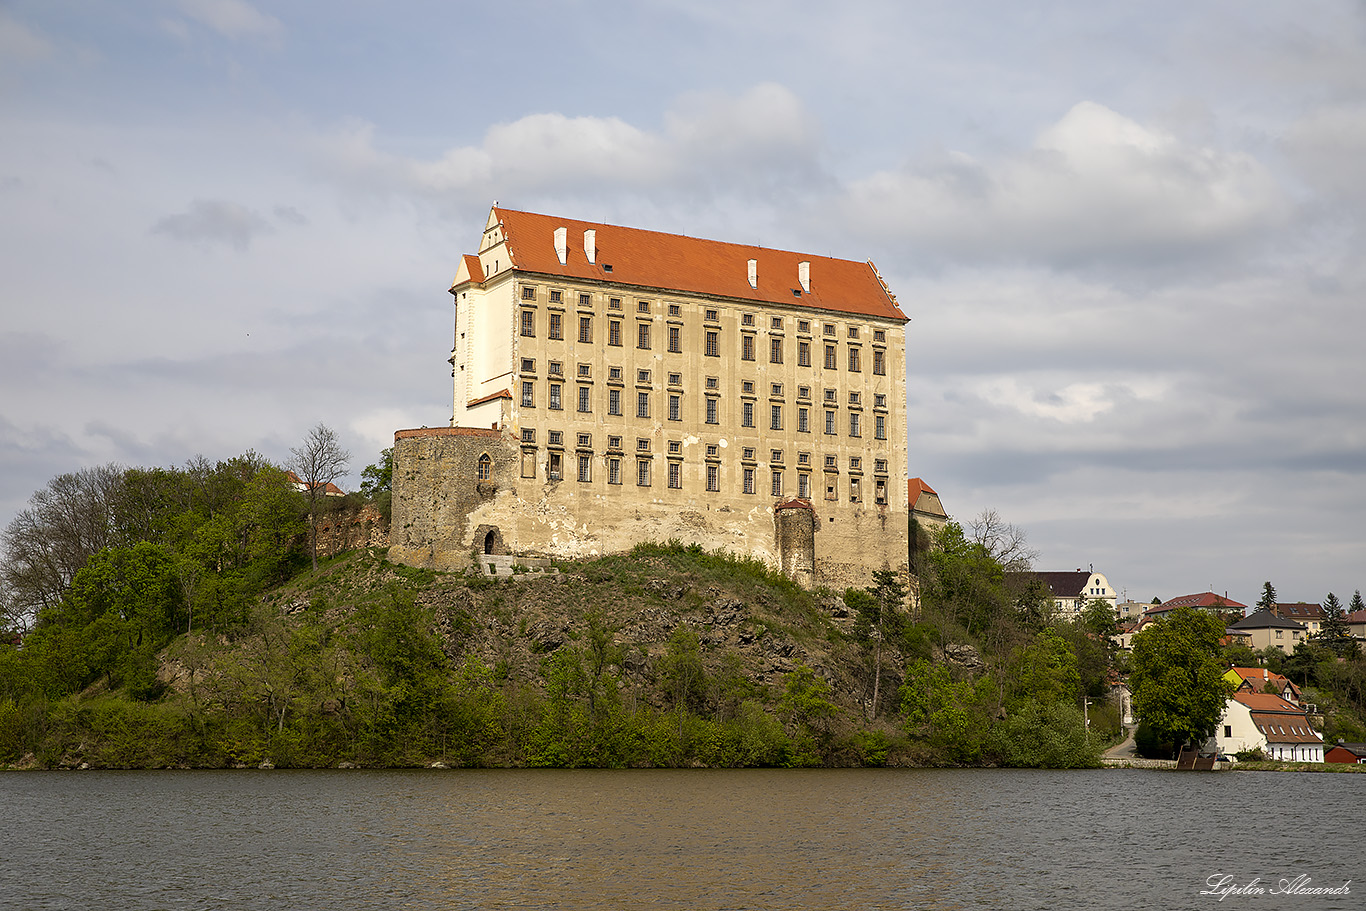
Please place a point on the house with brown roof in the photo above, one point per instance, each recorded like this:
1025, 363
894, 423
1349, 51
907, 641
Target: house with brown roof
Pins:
1070, 591
328, 489
1206, 601
1278, 728
636, 385
1260, 680
1311, 615
925, 505
1353, 753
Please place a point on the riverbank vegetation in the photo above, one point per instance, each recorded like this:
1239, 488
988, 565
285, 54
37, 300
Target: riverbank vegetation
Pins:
172, 618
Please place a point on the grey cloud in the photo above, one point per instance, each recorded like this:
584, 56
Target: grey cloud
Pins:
214, 221
234, 19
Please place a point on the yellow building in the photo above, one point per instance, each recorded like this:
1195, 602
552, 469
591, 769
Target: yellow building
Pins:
613, 385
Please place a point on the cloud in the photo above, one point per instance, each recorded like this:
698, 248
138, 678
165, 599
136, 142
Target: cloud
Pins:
214, 221
741, 141
1329, 146
1094, 186
234, 19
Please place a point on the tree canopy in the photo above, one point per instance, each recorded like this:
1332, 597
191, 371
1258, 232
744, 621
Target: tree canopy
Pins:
1178, 682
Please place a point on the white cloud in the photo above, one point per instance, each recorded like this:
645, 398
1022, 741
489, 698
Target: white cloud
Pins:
707, 139
21, 44
1068, 403
1094, 185
1329, 145
234, 19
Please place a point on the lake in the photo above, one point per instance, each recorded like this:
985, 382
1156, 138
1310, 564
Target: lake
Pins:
770, 839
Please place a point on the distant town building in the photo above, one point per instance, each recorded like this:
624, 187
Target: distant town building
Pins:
1269, 631
1070, 591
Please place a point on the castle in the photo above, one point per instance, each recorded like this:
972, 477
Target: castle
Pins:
613, 385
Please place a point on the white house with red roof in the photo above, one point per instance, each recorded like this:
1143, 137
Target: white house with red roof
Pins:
1261, 721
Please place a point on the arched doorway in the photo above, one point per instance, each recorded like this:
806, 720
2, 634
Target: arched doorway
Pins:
491, 541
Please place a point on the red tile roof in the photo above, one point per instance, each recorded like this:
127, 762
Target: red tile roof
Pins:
1255, 679
654, 261
500, 394
1300, 610
1204, 599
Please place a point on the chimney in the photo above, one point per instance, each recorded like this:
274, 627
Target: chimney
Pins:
590, 245
562, 244
804, 276
754, 273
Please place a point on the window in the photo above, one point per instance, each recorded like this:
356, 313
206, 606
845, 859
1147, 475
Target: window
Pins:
675, 379
880, 492
776, 323
854, 360
712, 317
529, 323
675, 407
614, 442
880, 466
713, 383
775, 351
830, 363
528, 434
853, 331
712, 450
614, 471
777, 489
854, 424
776, 418
614, 374
614, 401
855, 463
855, 488
713, 477
555, 469
614, 303
855, 398
747, 414
528, 293
528, 395
642, 306
675, 447
879, 335
711, 410
557, 297
642, 404
746, 347
879, 400
747, 319
880, 426
803, 354
747, 387
803, 392
585, 300
528, 365
556, 368
585, 440
675, 310
803, 325
556, 438
676, 475
747, 453
556, 325
642, 444
643, 336
643, 376
749, 480
879, 362
804, 486
642, 472
1228, 730
585, 467
555, 404
586, 329
675, 339
830, 422
803, 458
585, 406
775, 390
829, 331
831, 464
831, 493
775, 455
831, 397
485, 467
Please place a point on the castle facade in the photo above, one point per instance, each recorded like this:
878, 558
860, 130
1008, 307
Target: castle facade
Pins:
613, 385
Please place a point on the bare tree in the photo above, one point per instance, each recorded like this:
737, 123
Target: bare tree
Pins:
317, 462
66, 523
1007, 544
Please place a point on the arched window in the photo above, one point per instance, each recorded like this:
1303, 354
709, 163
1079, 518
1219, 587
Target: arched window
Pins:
485, 467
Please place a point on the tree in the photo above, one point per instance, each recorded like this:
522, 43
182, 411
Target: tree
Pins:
888, 593
1268, 600
1357, 604
1334, 633
1178, 678
317, 462
379, 477
1007, 544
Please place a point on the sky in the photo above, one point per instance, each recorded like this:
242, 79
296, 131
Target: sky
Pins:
1129, 237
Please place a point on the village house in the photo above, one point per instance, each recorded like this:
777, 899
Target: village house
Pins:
1070, 591
1260, 680
1269, 631
1260, 721
613, 385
